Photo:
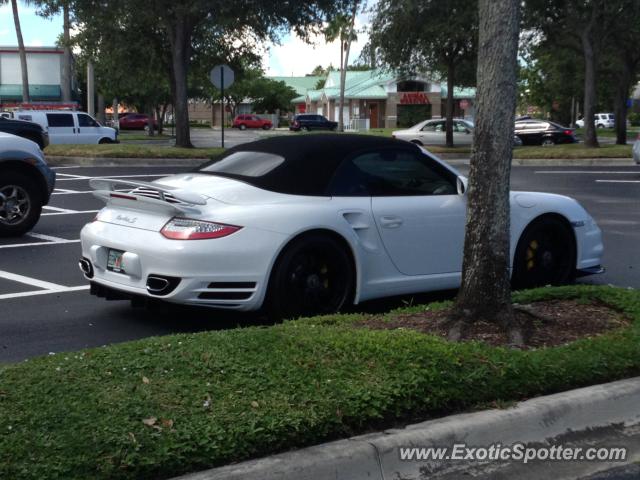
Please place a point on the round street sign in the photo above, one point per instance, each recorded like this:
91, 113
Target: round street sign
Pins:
221, 76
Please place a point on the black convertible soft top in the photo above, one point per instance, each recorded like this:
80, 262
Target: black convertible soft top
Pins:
307, 162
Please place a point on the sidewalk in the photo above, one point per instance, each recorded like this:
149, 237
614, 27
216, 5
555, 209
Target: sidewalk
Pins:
601, 415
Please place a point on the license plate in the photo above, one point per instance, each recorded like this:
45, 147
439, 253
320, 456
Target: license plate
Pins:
114, 261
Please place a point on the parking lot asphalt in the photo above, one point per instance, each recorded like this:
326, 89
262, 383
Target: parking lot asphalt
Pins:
45, 306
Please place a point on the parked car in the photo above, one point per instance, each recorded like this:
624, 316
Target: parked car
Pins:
136, 121
602, 120
251, 121
26, 183
69, 127
432, 132
543, 132
306, 225
311, 121
29, 130
636, 150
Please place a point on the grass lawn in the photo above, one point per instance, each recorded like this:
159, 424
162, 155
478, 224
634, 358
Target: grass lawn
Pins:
124, 136
610, 132
123, 150
164, 406
573, 151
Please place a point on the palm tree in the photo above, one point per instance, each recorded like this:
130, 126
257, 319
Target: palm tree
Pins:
21, 51
343, 27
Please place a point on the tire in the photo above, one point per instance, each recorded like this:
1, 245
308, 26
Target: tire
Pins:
312, 276
304, 128
266, 127
242, 126
417, 142
103, 141
146, 128
20, 204
600, 125
545, 254
548, 142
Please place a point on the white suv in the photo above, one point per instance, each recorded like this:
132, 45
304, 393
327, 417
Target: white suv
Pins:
602, 120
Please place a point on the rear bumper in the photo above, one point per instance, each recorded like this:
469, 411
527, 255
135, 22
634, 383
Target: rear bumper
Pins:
229, 273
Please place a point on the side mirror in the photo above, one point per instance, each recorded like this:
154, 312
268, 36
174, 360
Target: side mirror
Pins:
461, 185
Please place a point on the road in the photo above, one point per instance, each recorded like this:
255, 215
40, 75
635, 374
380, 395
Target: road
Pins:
45, 306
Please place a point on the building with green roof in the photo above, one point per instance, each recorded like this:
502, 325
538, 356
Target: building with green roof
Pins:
376, 98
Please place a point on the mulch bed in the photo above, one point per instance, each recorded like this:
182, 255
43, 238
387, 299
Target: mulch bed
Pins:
547, 324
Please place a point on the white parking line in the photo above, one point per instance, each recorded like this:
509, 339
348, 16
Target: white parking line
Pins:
78, 212
37, 244
81, 177
8, 296
34, 282
56, 209
49, 238
587, 172
617, 181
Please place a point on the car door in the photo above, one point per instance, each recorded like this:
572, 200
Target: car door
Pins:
62, 128
418, 212
433, 133
462, 133
88, 129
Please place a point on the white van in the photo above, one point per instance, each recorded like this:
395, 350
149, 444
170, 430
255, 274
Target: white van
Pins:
69, 126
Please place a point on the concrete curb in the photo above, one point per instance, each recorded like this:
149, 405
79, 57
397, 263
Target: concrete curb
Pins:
554, 162
56, 161
376, 456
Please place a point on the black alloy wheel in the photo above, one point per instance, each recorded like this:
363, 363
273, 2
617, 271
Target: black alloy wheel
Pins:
545, 255
312, 276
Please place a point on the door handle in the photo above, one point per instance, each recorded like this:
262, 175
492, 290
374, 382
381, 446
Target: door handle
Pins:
390, 221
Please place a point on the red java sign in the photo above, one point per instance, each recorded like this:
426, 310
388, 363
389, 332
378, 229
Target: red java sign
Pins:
414, 98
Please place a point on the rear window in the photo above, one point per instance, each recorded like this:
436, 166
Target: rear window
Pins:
60, 120
245, 164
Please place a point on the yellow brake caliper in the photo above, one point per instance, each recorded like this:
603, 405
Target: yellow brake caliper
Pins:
531, 254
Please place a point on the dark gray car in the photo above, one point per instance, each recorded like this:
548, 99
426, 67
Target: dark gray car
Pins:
26, 183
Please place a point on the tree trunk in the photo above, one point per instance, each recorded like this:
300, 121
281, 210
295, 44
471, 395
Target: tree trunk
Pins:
180, 38
100, 113
588, 51
115, 117
22, 52
485, 292
343, 72
151, 114
66, 57
622, 92
450, 103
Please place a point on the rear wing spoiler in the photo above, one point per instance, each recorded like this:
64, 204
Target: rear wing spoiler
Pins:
163, 196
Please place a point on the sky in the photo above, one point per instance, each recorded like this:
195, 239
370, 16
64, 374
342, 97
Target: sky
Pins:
292, 57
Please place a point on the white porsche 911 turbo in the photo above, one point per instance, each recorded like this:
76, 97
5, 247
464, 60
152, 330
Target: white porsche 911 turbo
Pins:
305, 225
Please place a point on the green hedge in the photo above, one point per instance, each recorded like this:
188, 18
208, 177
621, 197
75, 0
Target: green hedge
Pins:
230, 395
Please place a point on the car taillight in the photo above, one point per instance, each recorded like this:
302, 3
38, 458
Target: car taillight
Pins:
188, 229
568, 132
